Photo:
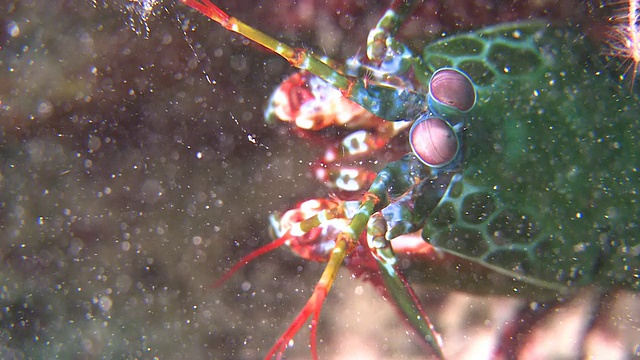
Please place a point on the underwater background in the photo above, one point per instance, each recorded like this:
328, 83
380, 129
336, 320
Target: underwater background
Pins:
135, 168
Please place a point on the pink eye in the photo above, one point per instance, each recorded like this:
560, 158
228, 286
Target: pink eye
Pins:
451, 93
434, 141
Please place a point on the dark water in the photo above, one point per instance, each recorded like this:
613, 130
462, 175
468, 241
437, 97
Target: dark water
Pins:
135, 168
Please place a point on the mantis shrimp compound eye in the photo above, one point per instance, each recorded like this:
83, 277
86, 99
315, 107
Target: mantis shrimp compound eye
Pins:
434, 141
451, 93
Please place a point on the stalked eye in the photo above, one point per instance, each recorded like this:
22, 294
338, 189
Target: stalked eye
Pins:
434, 141
451, 93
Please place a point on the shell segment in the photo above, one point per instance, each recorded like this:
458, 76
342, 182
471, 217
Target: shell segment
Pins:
549, 188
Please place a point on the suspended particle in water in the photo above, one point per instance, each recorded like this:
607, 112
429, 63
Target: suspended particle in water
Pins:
140, 11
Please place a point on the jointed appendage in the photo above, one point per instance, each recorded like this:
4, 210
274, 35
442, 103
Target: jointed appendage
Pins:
331, 230
386, 27
390, 58
387, 102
